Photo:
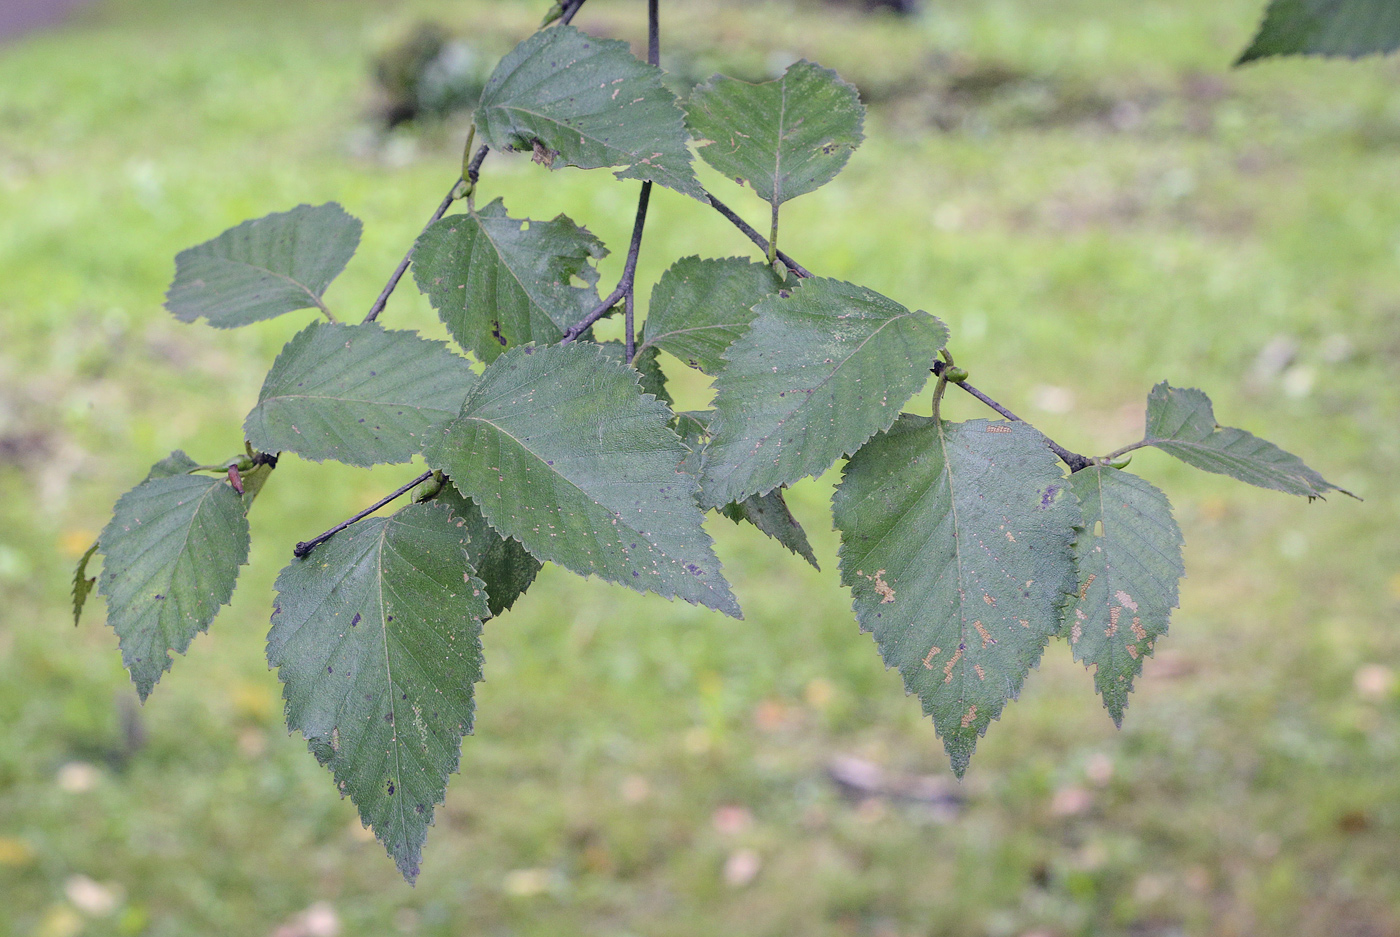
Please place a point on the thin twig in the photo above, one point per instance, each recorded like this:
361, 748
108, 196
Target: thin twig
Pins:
570, 8
474, 167
1074, 460
306, 546
378, 306
629, 271
629, 322
653, 33
757, 238
1142, 444
773, 235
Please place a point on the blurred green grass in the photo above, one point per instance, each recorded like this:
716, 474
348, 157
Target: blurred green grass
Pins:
1255, 787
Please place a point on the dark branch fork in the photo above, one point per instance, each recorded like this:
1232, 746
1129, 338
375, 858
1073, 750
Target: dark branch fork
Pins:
625, 291
626, 286
759, 240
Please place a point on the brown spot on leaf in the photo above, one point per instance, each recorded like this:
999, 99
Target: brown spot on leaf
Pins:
968, 716
997, 428
986, 635
1139, 631
882, 587
1084, 590
1126, 599
948, 667
933, 652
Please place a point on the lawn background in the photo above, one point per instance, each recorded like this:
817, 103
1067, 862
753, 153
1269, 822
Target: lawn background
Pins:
1127, 209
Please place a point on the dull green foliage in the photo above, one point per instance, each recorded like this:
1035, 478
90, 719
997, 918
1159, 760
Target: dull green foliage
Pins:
1129, 560
958, 539
376, 637
1181, 421
263, 268
498, 282
358, 394
1352, 28
82, 584
582, 101
768, 512
177, 463
502, 563
700, 306
563, 452
785, 137
956, 544
819, 372
170, 558
645, 363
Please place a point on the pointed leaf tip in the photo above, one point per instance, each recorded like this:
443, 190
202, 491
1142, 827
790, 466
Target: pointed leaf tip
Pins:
1181, 422
377, 641
956, 544
1129, 561
171, 555
1350, 28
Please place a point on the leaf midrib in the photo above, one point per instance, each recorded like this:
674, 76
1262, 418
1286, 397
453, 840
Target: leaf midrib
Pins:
738, 463
529, 294
552, 470
315, 298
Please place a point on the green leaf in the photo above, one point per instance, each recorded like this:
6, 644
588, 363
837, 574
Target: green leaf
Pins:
357, 393
645, 363
818, 373
1129, 559
1181, 421
699, 307
769, 513
82, 584
785, 137
376, 636
563, 452
263, 268
956, 543
502, 563
587, 102
498, 282
171, 555
1326, 27
177, 463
